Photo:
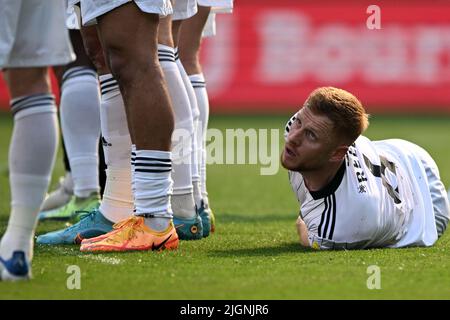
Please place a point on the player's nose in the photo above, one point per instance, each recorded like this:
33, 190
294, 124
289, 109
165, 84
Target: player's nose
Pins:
294, 137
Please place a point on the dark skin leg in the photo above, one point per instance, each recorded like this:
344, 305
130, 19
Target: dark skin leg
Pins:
96, 54
27, 81
190, 38
165, 32
176, 27
135, 66
94, 50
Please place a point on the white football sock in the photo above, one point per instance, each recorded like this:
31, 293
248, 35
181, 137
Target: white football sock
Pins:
117, 203
31, 157
80, 124
182, 199
199, 84
183, 206
196, 147
153, 187
197, 193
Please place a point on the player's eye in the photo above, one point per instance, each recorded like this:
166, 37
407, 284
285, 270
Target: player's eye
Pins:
311, 135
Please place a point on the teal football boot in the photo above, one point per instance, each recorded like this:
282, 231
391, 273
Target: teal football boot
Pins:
208, 219
189, 228
91, 225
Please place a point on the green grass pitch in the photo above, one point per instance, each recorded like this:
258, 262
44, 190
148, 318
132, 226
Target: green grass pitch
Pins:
254, 253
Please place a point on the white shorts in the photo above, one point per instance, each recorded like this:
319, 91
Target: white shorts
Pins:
73, 17
92, 9
217, 6
184, 9
439, 197
209, 30
33, 34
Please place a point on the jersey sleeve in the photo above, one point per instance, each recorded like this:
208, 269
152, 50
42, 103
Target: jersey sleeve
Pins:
297, 184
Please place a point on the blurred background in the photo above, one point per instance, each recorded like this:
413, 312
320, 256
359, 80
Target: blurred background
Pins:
270, 54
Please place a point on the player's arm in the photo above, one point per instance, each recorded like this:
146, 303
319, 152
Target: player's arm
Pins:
302, 232
310, 239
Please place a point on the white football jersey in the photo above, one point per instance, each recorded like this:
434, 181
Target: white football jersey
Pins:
380, 197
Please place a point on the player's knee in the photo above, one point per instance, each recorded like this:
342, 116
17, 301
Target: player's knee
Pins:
192, 66
93, 49
26, 81
95, 54
98, 60
121, 66
128, 67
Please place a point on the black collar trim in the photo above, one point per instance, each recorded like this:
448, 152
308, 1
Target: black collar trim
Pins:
331, 187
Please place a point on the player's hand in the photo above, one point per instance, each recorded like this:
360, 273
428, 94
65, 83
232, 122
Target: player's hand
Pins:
302, 232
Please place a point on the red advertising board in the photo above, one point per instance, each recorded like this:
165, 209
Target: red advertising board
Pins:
269, 55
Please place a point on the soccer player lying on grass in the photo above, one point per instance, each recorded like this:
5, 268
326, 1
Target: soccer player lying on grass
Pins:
356, 193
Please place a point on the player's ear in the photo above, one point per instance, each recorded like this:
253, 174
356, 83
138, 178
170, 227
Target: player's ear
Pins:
339, 153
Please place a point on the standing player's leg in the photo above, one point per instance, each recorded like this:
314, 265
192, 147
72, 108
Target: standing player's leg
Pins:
33, 144
80, 124
64, 190
195, 176
117, 201
31, 156
187, 221
189, 48
63, 193
150, 120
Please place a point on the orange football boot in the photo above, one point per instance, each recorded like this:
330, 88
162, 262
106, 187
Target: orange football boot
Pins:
133, 235
116, 227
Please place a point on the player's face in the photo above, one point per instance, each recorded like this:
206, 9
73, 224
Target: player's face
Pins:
310, 142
